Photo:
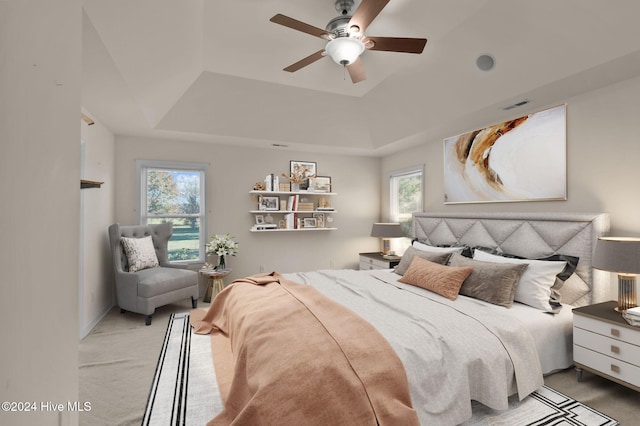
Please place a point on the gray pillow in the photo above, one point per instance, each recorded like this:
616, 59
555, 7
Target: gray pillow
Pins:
492, 282
407, 257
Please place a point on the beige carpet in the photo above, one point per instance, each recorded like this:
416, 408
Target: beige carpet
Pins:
117, 362
119, 357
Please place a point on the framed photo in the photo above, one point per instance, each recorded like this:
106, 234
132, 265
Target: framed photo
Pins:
303, 168
319, 217
523, 159
320, 183
259, 219
269, 203
309, 222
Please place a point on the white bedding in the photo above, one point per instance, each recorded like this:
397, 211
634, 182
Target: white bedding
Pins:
453, 351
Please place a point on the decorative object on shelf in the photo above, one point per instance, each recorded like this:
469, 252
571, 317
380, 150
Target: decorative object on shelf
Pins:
320, 184
259, 186
323, 204
319, 219
222, 245
386, 231
310, 222
299, 174
268, 219
268, 203
259, 219
621, 255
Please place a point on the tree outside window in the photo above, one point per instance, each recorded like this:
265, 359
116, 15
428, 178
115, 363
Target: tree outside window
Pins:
406, 188
174, 192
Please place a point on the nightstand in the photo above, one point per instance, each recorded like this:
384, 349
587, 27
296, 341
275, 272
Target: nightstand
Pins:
605, 344
375, 260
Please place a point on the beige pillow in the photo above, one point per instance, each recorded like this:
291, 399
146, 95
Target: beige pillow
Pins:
140, 253
440, 279
407, 257
492, 282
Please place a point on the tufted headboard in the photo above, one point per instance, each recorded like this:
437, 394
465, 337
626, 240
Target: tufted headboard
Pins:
530, 235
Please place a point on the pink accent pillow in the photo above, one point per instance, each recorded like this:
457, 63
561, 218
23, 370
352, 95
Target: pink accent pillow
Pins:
443, 280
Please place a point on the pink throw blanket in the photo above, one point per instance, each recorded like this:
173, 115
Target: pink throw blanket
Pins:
300, 358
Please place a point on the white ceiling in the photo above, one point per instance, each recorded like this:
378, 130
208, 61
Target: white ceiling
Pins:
208, 70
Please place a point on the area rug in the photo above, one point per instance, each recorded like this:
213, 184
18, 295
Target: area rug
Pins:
184, 391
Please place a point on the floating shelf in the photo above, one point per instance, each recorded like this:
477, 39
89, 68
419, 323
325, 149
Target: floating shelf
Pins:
85, 184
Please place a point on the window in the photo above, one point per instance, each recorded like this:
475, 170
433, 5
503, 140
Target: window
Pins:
174, 192
405, 196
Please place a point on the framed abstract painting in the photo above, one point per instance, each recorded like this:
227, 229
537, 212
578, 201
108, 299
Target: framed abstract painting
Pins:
523, 159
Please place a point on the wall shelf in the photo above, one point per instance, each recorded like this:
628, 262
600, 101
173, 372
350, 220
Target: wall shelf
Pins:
315, 211
85, 184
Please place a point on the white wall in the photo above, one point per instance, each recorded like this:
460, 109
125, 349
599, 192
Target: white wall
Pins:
233, 171
40, 193
603, 149
97, 213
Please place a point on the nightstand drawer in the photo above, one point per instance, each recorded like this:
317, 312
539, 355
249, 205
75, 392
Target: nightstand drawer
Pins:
607, 346
607, 365
372, 265
607, 329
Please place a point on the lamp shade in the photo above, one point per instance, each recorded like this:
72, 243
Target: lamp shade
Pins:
617, 254
386, 230
344, 50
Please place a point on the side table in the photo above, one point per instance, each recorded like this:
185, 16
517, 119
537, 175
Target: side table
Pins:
215, 283
605, 344
376, 260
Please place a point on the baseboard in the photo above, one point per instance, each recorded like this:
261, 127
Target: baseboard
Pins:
86, 329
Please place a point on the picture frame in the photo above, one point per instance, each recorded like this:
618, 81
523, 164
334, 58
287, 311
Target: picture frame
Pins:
320, 184
269, 203
309, 222
259, 219
306, 168
319, 217
522, 159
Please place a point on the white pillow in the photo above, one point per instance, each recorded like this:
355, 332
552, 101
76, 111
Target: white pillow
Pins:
534, 287
140, 253
424, 247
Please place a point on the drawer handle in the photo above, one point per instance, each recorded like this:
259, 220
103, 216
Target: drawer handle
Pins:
615, 349
615, 332
615, 368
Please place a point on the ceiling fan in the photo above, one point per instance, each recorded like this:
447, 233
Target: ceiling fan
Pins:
346, 37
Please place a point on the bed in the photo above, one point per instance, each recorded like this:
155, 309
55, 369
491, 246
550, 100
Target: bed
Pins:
451, 350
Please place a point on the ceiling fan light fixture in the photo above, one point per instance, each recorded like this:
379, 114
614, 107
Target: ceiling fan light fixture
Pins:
344, 50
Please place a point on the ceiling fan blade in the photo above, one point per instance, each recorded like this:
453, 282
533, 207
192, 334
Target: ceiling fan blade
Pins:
366, 13
306, 61
397, 44
300, 26
357, 71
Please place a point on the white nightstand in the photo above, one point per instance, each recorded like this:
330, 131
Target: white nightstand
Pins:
605, 344
375, 260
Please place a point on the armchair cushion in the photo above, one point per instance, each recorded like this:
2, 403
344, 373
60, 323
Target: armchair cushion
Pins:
157, 281
140, 253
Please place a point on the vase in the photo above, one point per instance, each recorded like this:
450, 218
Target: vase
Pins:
221, 263
295, 187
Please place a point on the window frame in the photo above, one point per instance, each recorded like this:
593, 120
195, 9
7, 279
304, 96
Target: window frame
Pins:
393, 179
203, 168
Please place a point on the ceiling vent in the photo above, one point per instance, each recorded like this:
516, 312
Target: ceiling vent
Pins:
516, 105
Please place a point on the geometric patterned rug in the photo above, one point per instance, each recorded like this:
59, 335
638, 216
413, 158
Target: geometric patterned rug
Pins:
546, 407
184, 391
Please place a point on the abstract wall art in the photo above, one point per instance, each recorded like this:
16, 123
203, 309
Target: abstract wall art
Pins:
523, 159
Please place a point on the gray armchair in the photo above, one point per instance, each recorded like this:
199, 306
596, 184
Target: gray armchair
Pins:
142, 291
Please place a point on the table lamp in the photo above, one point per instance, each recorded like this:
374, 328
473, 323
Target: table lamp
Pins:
621, 255
385, 231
